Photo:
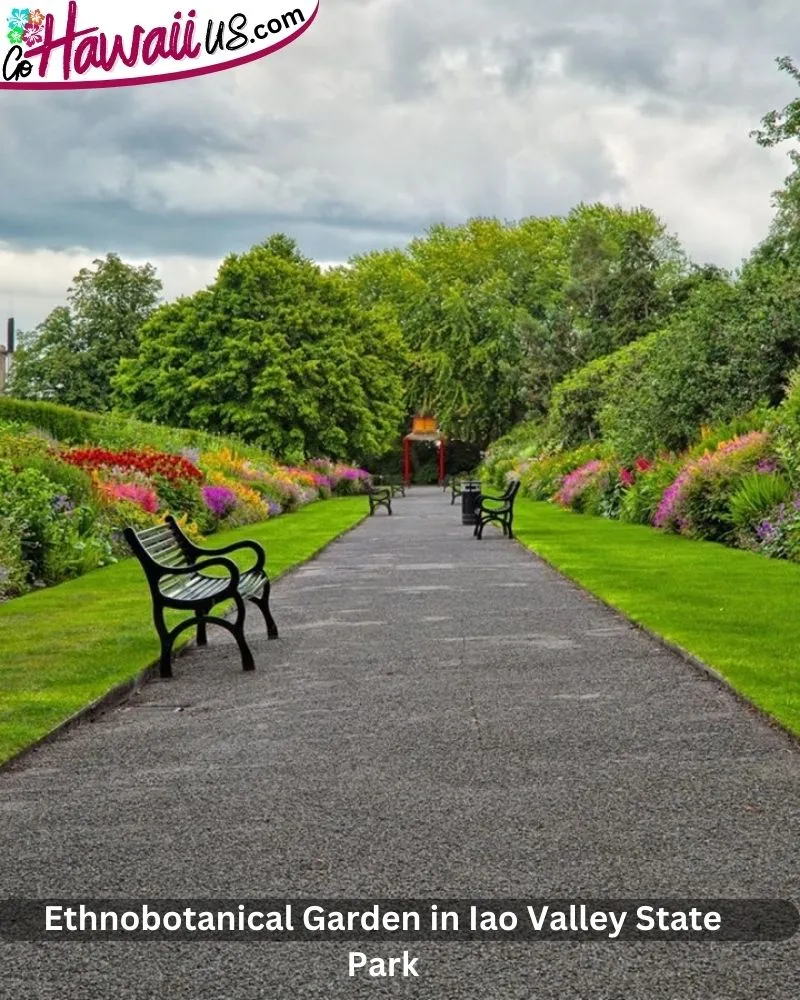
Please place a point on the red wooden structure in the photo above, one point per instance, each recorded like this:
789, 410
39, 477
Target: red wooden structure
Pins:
424, 429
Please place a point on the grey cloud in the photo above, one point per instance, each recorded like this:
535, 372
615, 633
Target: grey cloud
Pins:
388, 116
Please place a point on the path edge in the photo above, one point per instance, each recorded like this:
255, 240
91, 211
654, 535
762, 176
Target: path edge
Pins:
125, 690
711, 673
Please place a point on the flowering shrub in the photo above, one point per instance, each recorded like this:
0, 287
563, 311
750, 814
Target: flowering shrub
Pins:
778, 535
542, 475
578, 481
641, 500
628, 476
697, 502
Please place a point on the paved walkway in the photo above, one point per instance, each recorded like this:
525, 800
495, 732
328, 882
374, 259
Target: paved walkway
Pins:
441, 717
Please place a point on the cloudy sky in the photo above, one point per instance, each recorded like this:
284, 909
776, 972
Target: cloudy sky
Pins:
388, 115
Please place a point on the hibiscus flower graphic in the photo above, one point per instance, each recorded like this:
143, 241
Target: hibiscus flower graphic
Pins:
33, 34
15, 36
36, 17
19, 17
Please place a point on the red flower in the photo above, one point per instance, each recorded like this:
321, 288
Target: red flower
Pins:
643, 464
626, 477
151, 463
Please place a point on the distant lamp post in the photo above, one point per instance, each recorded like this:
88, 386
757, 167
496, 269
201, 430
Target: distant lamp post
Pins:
6, 350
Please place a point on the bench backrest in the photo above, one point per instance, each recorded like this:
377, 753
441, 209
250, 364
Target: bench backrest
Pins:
511, 492
158, 547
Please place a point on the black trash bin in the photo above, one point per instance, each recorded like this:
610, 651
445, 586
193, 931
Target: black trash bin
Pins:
470, 501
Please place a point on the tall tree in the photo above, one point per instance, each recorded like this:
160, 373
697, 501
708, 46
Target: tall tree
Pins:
73, 355
494, 314
276, 352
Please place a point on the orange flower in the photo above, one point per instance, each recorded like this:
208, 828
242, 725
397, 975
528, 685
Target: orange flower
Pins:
36, 17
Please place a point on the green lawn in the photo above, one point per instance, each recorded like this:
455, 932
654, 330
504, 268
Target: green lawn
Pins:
62, 648
736, 611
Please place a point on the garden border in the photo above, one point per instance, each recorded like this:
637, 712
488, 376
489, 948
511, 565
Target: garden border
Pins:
123, 692
711, 673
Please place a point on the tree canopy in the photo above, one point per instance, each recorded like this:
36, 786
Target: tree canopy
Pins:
495, 313
73, 355
276, 352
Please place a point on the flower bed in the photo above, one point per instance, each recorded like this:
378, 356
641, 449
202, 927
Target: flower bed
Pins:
63, 509
731, 489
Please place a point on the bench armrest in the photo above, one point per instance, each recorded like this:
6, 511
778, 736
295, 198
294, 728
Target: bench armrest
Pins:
260, 554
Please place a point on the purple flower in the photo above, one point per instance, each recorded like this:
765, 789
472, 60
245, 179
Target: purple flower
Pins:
274, 509
767, 465
220, 500
62, 504
765, 531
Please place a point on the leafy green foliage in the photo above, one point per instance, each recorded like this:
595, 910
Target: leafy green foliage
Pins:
73, 355
52, 545
755, 497
275, 352
61, 422
495, 315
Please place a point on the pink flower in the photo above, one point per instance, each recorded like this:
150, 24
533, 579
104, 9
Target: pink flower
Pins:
626, 477
577, 481
139, 495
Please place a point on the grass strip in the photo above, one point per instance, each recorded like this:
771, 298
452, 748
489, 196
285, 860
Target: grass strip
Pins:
64, 647
735, 611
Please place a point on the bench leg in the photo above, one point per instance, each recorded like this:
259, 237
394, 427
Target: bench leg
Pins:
238, 634
166, 639
202, 635
263, 606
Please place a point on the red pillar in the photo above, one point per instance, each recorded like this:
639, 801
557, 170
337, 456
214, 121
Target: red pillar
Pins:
406, 461
442, 461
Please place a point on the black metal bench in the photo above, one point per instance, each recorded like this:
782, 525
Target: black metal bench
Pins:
379, 496
175, 570
454, 484
502, 515
393, 483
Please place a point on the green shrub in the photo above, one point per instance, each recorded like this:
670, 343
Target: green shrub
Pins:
74, 483
22, 447
180, 497
707, 503
13, 568
756, 497
28, 510
62, 422
74, 546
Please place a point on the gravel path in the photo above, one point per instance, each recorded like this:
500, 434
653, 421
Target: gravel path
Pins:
441, 718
